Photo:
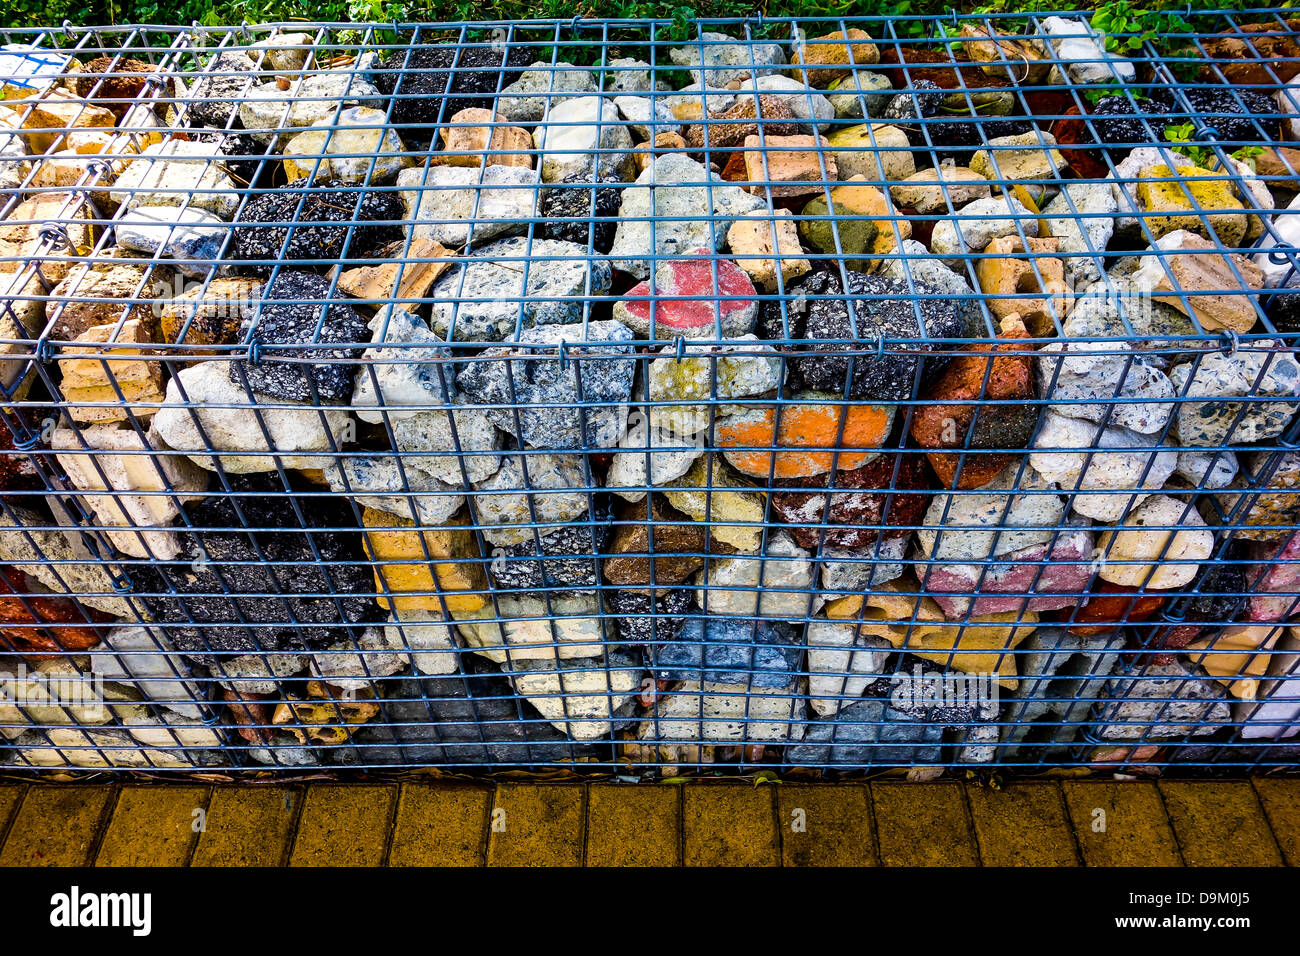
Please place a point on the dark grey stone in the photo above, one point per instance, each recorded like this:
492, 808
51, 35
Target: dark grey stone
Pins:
638, 623
812, 316
568, 211
330, 209
431, 84
924, 93
544, 391
526, 566
284, 324
268, 589
731, 651
868, 733
474, 718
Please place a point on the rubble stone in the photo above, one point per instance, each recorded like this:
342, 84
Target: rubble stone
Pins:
516, 282
690, 217
530, 489
455, 205
94, 466
734, 516
702, 297
353, 146
811, 420
1112, 477
580, 402
426, 569
1222, 382
890, 490
779, 583
195, 421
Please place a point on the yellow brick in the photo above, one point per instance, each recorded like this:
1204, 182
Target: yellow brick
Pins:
11, 795
153, 826
1131, 829
440, 826
56, 826
248, 826
730, 825
616, 811
1219, 823
343, 826
537, 825
826, 825
48, 119
923, 825
453, 550
1023, 825
1280, 797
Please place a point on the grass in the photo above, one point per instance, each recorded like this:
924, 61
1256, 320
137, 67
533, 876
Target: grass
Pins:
903, 13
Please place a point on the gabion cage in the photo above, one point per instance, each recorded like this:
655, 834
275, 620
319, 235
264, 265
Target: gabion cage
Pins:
638, 395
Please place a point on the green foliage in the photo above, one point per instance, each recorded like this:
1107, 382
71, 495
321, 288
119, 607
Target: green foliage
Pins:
1113, 88
1181, 135
1129, 27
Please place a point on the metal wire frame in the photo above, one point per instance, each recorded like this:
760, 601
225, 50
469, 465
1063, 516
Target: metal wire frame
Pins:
460, 709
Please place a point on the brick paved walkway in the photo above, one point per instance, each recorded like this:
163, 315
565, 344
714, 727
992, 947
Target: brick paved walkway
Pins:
1053, 823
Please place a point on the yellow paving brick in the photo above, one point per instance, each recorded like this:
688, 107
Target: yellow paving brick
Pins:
56, 825
633, 825
1219, 823
1131, 828
537, 825
343, 826
440, 826
1022, 825
248, 826
923, 825
10, 796
1281, 801
153, 826
730, 825
826, 825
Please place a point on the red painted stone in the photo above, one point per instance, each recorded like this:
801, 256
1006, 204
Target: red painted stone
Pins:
1111, 606
730, 297
1008, 584
859, 498
1271, 573
68, 625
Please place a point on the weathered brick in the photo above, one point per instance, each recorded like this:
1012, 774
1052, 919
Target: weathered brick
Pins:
440, 825
923, 825
153, 826
1131, 828
534, 825
730, 825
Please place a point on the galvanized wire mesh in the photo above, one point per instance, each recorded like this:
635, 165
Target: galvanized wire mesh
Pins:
350, 428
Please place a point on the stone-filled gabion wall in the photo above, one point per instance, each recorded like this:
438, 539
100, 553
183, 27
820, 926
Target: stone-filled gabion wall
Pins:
787, 395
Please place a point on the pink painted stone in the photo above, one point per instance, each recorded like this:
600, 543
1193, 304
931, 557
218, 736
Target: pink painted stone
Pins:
1008, 584
1269, 574
729, 297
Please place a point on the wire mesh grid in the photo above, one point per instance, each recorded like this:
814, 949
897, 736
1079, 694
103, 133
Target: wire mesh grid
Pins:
775, 394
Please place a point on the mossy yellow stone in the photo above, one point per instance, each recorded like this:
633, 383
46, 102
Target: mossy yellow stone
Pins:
723, 508
1188, 200
863, 218
900, 614
436, 564
874, 151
